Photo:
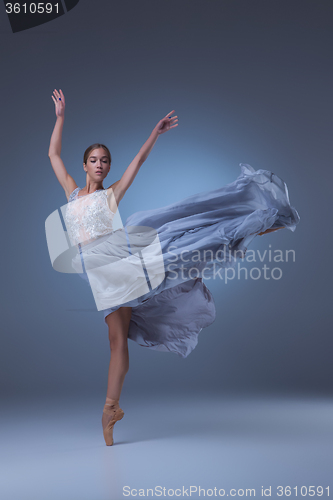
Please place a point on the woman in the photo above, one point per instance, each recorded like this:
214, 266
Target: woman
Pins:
169, 316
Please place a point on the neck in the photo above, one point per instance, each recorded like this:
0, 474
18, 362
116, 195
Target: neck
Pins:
92, 186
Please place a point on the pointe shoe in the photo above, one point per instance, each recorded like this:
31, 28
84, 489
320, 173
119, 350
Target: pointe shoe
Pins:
111, 408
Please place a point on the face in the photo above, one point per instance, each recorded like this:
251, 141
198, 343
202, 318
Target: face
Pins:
98, 165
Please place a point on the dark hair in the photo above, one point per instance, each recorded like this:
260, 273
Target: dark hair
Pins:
96, 146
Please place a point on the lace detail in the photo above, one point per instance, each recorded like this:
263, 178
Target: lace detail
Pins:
88, 217
73, 194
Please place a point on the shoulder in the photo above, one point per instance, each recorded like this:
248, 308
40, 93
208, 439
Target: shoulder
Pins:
73, 194
114, 195
69, 186
117, 191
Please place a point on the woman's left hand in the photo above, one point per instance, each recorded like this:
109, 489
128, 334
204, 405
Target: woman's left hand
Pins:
167, 123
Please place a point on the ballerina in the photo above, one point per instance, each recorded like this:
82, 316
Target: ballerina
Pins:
170, 316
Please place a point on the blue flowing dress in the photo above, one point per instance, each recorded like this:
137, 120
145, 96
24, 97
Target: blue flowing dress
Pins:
222, 223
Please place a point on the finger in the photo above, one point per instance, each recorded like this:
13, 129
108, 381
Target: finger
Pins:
167, 116
62, 95
172, 126
55, 102
57, 95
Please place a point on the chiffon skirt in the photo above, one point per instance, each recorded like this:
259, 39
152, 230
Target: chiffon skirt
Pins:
177, 246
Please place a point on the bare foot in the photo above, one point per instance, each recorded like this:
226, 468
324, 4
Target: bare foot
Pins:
270, 230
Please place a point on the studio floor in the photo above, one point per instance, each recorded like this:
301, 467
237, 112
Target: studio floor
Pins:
53, 449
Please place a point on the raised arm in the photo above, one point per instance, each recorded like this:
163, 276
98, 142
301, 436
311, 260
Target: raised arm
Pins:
66, 181
121, 186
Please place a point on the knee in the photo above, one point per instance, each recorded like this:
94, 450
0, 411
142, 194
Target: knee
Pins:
117, 342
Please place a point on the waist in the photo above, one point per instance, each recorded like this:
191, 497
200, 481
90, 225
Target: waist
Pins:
97, 241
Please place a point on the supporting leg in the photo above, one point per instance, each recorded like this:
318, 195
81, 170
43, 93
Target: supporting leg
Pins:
118, 323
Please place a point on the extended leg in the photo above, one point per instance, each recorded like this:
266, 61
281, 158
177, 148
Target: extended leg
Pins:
270, 231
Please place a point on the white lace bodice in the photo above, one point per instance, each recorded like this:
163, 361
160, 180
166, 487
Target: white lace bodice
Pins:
88, 217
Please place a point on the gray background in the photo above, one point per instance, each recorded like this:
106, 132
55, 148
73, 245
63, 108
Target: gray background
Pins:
251, 82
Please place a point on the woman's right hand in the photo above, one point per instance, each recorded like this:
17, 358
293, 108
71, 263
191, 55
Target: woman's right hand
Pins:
59, 102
